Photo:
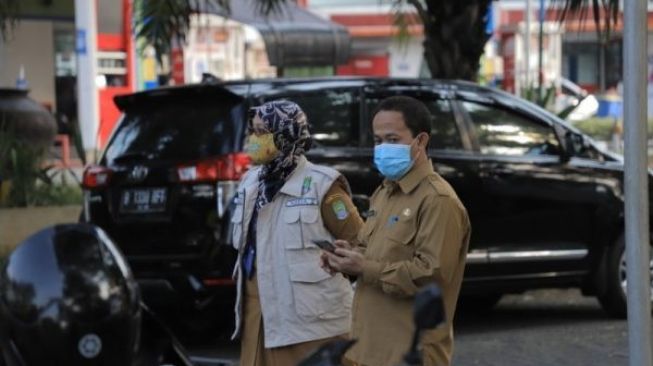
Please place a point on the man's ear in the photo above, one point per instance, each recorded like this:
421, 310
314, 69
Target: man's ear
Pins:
423, 140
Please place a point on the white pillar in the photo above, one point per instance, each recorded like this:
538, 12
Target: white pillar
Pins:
636, 183
527, 49
87, 93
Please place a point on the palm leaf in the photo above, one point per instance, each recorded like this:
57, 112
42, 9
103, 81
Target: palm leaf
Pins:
604, 12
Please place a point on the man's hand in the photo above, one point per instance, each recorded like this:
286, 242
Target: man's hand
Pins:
346, 261
344, 244
324, 258
324, 264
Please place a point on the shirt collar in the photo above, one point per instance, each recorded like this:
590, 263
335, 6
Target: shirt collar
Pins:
294, 183
414, 176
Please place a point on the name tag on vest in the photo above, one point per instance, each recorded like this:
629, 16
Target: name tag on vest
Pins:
302, 202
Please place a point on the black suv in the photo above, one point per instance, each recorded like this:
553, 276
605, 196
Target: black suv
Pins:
546, 204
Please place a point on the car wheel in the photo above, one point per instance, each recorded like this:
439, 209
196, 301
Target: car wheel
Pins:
479, 303
613, 300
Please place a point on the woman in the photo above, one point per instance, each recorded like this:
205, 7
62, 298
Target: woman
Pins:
287, 305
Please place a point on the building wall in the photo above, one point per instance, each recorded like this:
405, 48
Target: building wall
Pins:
406, 57
31, 45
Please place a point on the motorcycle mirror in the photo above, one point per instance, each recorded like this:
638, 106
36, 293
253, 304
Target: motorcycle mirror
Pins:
428, 313
329, 354
428, 308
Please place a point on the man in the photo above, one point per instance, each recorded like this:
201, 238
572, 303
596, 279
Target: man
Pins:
417, 232
289, 305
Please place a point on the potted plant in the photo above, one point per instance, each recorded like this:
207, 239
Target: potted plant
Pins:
28, 198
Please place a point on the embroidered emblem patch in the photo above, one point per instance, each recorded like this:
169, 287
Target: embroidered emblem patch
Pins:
407, 212
302, 202
306, 186
340, 209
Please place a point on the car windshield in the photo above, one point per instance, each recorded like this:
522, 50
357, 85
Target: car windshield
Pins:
177, 130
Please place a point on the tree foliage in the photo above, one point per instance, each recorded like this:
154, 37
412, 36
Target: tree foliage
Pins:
605, 13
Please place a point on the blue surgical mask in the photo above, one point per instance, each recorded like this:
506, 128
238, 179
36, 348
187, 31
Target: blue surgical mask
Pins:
393, 160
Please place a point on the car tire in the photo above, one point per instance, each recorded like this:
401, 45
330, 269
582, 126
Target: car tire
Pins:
613, 299
479, 303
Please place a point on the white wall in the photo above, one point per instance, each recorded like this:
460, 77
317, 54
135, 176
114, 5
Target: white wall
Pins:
406, 58
31, 45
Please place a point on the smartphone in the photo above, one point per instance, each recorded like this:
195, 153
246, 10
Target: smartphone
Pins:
325, 245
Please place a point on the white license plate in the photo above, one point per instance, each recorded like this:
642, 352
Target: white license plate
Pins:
143, 200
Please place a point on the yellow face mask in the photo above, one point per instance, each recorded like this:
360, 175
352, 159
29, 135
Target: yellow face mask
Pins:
261, 148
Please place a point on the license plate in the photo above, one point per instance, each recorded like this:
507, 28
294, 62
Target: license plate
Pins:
143, 200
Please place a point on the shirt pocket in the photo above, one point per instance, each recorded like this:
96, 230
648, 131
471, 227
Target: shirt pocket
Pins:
403, 231
317, 294
300, 224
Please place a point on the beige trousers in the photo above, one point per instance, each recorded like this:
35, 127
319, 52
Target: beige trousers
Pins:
252, 349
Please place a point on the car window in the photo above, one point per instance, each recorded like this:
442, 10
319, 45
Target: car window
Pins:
444, 130
184, 130
332, 115
502, 132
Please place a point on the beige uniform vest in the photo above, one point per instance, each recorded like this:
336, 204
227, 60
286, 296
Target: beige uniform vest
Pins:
300, 301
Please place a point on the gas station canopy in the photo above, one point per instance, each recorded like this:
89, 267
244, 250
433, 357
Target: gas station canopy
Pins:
293, 36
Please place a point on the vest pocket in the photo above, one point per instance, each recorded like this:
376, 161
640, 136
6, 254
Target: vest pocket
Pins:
317, 294
301, 226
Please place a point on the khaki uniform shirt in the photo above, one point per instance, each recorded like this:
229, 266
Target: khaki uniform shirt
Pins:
417, 232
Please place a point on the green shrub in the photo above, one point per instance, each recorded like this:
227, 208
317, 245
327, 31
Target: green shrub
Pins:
24, 181
602, 128
597, 128
57, 195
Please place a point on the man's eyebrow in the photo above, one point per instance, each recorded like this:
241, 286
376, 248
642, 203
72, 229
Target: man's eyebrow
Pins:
389, 134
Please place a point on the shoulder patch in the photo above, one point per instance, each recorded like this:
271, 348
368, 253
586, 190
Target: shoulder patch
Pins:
329, 199
340, 209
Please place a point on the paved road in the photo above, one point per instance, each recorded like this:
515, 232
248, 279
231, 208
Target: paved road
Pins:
552, 327
547, 327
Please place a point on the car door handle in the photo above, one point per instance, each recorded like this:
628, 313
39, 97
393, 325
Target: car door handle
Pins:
547, 163
496, 173
502, 172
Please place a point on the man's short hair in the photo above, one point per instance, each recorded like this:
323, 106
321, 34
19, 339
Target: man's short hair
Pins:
416, 116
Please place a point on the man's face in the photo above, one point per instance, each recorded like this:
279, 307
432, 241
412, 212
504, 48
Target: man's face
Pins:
389, 127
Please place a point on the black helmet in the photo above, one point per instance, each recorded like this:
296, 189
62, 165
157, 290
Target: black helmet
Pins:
67, 297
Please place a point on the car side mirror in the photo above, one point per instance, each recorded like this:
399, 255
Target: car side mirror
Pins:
575, 144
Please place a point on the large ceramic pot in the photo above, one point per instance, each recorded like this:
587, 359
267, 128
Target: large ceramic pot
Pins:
30, 120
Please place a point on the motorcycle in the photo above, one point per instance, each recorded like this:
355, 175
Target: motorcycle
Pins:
428, 313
